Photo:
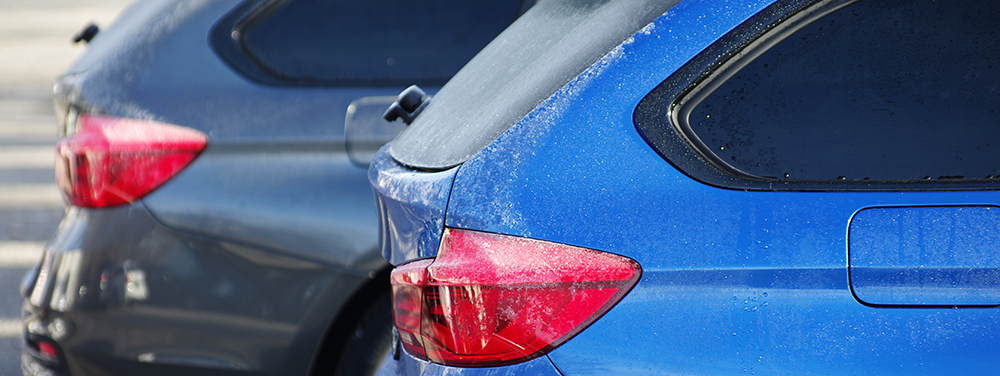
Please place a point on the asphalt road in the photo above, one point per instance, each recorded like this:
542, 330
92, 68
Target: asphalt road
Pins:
34, 47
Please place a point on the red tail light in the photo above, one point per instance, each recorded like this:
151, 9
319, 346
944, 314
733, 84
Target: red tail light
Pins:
47, 350
112, 161
490, 300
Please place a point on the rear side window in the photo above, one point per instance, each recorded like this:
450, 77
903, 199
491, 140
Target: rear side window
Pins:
853, 95
373, 42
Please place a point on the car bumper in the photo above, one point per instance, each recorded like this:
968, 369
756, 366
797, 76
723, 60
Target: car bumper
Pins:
407, 365
119, 293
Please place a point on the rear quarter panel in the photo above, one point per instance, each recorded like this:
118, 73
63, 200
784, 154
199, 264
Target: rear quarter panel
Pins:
275, 174
733, 281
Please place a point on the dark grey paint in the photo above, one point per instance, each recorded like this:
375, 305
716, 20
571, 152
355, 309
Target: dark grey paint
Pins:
207, 304
251, 255
312, 203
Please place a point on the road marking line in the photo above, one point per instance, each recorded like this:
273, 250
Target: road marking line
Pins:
20, 254
10, 328
27, 157
14, 126
30, 196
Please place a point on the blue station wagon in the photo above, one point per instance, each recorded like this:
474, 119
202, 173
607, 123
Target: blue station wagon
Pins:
704, 187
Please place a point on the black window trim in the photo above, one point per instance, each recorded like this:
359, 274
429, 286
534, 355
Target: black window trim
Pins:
676, 96
681, 109
228, 40
226, 37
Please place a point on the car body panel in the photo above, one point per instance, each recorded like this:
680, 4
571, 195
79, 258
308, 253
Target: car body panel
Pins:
927, 256
230, 194
411, 208
408, 365
768, 328
733, 281
163, 297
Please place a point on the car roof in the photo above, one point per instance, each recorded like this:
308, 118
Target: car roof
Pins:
540, 53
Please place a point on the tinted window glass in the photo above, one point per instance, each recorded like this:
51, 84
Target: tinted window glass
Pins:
375, 41
880, 90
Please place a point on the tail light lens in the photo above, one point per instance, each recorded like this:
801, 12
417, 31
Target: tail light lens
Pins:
490, 300
48, 351
112, 161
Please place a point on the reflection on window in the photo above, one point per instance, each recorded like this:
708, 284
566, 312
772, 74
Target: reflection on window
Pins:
375, 41
880, 90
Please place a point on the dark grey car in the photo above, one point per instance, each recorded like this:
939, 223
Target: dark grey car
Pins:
259, 255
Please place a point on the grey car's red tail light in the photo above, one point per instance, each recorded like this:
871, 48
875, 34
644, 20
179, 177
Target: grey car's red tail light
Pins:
490, 299
111, 161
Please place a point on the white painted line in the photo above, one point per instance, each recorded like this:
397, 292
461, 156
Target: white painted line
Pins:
10, 328
34, 131
27, 157
20, 254
30, 196
28, 110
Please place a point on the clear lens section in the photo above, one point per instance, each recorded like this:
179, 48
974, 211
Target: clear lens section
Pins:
407, 282
111, 161
490, 300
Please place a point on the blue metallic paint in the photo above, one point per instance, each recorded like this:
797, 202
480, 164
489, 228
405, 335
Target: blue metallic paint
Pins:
926, 256
734, 282
599, 103
411, 208
408, 365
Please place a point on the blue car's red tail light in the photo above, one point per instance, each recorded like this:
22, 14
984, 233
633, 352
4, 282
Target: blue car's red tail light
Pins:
112, 161
490, 299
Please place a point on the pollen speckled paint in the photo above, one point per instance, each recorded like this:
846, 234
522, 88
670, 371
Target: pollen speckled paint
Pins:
734, 282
